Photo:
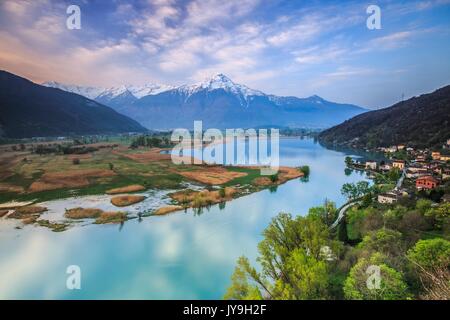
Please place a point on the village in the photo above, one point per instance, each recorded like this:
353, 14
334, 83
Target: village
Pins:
418, 172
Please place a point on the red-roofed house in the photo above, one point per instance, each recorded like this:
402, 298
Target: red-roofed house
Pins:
426, 182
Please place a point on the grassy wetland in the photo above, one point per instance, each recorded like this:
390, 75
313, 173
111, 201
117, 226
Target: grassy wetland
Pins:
36, 172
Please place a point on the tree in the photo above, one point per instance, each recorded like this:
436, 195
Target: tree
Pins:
391, 283
394, 174
348, 161
430, 260
430, 253
274, 178
241, 288
293, 264
423, 205
326, 213
440, 215
349, 191
354, 191
387, 242
305, 170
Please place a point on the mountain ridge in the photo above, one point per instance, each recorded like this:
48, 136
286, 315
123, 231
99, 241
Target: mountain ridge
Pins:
221, 103
422, 121
31, 110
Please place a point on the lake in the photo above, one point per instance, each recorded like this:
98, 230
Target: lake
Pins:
179, 256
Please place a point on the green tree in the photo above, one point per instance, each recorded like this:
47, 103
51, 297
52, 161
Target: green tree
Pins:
391, 286
326, 213
430, 253
387, 242
305, 170
356, 190
292, 259
430, 259
348, 161
440, 215
423, 205
394, 174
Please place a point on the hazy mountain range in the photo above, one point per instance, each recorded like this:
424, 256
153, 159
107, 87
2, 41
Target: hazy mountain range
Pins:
31, 110
218, 101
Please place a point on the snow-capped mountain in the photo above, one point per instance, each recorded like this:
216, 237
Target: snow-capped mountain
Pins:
220, 81
112, 92
219, 102
88, 92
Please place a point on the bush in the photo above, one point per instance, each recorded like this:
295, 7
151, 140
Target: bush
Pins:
75, 161
274, 178
392, 284
430, 253
305, 170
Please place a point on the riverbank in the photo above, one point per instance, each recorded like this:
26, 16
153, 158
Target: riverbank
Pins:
124, 177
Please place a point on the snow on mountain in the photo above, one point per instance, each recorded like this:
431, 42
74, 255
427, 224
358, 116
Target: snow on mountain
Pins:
220, 81
88, 92
124, 94
148, 89
112, 92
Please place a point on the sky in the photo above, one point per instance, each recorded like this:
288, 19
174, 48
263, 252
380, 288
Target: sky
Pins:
297, 48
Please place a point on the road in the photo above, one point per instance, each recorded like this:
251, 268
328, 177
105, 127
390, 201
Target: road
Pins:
342, 212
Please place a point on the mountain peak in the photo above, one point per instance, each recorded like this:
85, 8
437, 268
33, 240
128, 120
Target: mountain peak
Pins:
316, 98
217, 81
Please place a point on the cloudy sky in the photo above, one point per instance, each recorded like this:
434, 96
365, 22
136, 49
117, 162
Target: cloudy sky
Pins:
296, 48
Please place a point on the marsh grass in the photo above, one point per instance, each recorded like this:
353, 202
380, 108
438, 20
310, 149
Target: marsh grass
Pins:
82, 213
111, 217
127, 200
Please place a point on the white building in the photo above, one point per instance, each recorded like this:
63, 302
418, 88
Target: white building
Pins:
371, 165
388, 197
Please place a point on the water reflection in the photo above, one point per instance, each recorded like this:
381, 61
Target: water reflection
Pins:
187, 255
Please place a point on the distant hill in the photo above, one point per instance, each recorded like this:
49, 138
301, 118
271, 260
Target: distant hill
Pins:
422, 121
31, 110
219, 103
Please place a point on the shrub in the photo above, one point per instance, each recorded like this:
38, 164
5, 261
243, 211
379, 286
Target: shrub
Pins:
306, 170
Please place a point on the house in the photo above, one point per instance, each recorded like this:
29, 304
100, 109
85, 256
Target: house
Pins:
445, 158
388, 197
399, 164
415, 167
386, 167
436, 155
446, 174
420, 158
391, 149
371, 164
426, 182
417, 173
400, 147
